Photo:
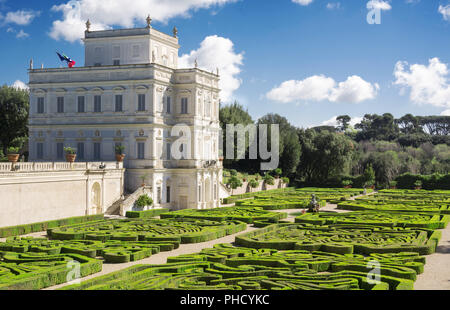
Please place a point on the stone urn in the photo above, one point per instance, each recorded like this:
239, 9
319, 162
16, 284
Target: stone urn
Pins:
70, 158
120, 158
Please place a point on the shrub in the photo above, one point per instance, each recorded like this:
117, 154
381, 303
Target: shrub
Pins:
269, 180
285, 180
119, 149
233, 172
70, 151
347, 182
253, 183
144, 201
13, 150
234, 182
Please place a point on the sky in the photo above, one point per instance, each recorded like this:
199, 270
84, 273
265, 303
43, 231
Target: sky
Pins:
307, 60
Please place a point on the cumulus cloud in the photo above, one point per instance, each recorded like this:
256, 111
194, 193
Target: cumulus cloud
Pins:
319, 87
21, 17
22, 34
333, 121
20, 85
303, 2
445, 11
217, 52
446, 113
105, 14
379, 5
428, 84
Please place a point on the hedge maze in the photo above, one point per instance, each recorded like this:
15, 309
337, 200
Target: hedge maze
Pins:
246, 215
342, 239
388, 219
384, 239
36, 270
234, 268
297, 199
165, 230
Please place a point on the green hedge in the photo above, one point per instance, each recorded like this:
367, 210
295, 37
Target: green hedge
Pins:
225, 267
145, 214
429, 182
43, 226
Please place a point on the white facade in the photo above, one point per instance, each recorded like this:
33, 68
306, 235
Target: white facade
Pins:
131, 93
39, 192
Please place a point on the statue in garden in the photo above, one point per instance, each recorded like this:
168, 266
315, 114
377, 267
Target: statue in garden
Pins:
314, 205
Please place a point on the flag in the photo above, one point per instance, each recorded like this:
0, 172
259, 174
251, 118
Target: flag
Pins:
70, 62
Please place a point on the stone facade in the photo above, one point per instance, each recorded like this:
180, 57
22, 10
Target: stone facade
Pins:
38, 192
131, 93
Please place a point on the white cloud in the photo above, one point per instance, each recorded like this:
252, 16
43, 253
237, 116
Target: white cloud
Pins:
446, 113
22, 34
319, 87
21, 17
445, 11
333, 5
217, 52
20, 85
105, 14
333, 121
429, 84
379, 5
303, 2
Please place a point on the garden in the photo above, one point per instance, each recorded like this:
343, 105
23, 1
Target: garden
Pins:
391, 230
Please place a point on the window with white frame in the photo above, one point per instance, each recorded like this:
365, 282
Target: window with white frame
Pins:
184, 105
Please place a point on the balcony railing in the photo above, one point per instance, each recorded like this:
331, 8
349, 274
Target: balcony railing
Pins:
57, 166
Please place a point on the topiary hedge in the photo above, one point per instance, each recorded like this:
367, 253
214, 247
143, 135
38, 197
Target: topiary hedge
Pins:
225, 267
43, 226
146, 214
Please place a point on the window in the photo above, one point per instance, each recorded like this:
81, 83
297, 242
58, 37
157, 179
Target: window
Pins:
116, 62
215, 192
40, 105
168, 151
168, 194
184, 105
141, 150
168, 105
40, 150
159, 194
97, 103
208, 109
97, 154
60, 101
141, 102
136, 51
199, 193
116, 53
81, 105
59, 150
119, 105
80, 150
97, 64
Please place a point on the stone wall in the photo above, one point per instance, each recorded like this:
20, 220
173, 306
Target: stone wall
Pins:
37, 192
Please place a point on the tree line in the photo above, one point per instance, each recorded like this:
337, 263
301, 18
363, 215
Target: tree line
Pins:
333, 155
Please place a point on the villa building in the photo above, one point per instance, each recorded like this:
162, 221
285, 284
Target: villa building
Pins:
131, 93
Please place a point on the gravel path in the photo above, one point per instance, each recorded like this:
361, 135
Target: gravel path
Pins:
161, 258
436, 274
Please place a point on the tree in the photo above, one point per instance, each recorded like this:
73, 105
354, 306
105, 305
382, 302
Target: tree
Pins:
369, 175
343, 122
14, 106
377, 127
289, 145
233, 114
324, 155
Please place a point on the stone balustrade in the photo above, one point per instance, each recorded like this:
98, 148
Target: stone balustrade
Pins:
57, 166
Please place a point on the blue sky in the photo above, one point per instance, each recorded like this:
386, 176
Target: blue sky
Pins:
309, 61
